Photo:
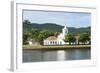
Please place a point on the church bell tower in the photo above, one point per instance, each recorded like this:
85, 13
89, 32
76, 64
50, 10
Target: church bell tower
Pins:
64, 31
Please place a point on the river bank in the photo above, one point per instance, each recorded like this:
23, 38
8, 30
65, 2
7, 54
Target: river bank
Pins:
39, 47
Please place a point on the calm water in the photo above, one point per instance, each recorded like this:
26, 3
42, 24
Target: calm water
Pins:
55, 55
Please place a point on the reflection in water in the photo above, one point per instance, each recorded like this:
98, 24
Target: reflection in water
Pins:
78, 54
61, 55
49, 55
55, 55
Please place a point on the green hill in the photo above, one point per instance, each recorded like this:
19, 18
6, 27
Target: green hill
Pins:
53, 27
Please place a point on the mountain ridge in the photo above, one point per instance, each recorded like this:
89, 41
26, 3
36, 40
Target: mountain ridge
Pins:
54, 27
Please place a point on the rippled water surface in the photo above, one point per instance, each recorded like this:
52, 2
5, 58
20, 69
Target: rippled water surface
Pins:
56, 55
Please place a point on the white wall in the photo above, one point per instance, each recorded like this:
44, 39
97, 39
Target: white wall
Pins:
5, 36
85, 3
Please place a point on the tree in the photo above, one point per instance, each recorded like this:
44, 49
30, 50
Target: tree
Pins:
35, 34
26, 36
69, 38
84, 37
56, 34
26, 22
43, 35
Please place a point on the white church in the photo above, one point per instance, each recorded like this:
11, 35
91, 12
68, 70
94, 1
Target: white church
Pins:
59, 40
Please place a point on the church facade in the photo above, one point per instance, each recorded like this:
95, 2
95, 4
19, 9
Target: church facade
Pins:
59, 40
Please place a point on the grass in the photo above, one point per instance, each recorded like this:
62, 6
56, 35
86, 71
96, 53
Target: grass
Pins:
39, 47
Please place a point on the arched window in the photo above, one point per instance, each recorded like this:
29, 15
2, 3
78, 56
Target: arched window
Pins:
50, 42
55, 42
60, 42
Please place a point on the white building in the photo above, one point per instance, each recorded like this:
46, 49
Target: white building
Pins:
59, 40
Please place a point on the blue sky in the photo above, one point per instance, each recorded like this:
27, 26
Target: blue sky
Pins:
70, 19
